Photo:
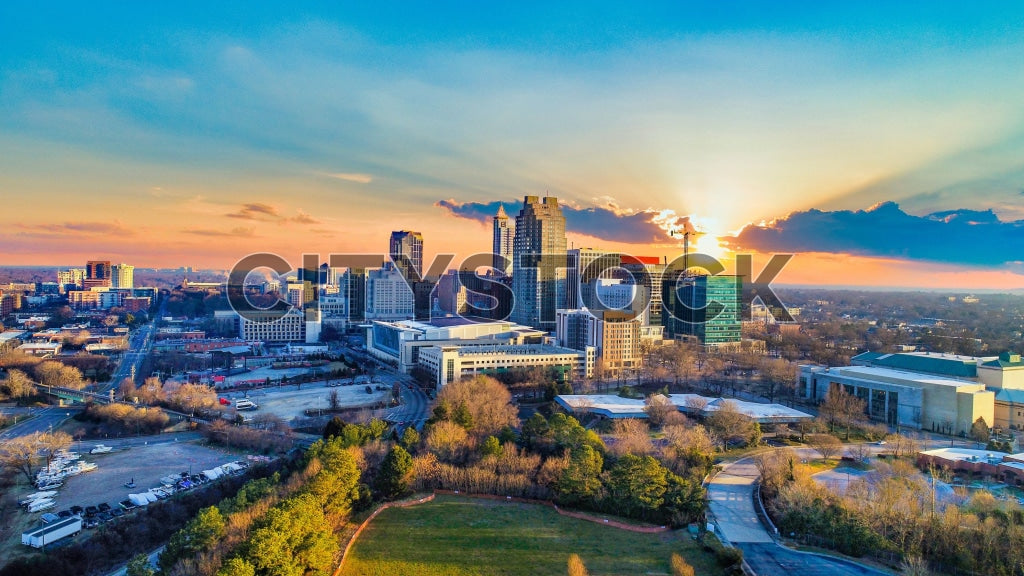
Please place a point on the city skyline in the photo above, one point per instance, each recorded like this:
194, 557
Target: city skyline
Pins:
883, 147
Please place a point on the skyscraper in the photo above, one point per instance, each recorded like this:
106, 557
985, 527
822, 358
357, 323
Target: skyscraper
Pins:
585, 265
540, 263
703, 307
406, 249
504, 237
97, 274
122, 276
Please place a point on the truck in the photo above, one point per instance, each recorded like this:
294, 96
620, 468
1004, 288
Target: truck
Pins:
52, 532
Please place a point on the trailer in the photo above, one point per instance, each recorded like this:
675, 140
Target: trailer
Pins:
52, 532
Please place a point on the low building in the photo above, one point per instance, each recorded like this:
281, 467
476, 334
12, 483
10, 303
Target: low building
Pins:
41, 349
399, 343
902, 398
272, 326
689, 404
11, 339
1008, 468
615, 335
450, 363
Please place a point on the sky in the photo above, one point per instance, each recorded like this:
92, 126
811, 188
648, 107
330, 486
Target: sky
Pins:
882, 143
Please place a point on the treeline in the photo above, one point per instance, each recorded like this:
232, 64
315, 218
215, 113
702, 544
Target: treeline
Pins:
470, 445
895, 517
116, 542
273, 526
134, 419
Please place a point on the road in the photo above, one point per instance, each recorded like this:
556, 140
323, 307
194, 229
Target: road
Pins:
139, 345
731, 495
415, 407
152, 562
43, 420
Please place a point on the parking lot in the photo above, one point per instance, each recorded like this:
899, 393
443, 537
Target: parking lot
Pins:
288, 402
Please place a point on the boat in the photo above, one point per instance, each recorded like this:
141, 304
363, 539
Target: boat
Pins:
100, 449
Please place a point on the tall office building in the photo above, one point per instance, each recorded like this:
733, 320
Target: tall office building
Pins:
539, 280
504, 237
388, 295
122, 276
354, 289
97, 274
706, 308
649, 271
586, 265
406, 249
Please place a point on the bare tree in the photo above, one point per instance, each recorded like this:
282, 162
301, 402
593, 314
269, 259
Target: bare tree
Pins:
333, 401
631, 437
859, 452
18, 384
19, 454
825, 444
658, 408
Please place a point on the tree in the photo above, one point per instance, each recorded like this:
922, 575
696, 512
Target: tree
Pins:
410, 439
636, 485
980, 431
139, 566
19, 454
487, 402
680, 567
333, 401
535, 429
52, 442
730, 425
631, 437
198, 535
825, 444
18, 384
580, 481
446, 439
237, 567
491, 447
576, 567
658, 408
395, 472
127, 389
840, 407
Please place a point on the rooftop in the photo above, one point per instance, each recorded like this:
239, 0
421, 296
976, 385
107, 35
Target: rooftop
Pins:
905, 375
953, 365
606, 405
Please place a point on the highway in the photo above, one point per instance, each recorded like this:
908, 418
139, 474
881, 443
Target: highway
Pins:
415, 408
42, 420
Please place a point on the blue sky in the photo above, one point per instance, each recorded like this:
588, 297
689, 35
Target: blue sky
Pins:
159, 122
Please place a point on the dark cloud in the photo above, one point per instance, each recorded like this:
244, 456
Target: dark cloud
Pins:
954, 236
256, 211
604, 222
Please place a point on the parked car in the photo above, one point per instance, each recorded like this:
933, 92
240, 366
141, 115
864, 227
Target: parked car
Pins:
104, 507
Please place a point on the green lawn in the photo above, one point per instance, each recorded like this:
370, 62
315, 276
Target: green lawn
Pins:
454, 536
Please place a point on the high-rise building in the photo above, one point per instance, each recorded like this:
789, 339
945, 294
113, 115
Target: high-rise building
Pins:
540, 263
585, 265
97, 274
71, 279
706, 308
504, 237
122, 276
388, 295
354, 289
406, 249
615, 335
649, 271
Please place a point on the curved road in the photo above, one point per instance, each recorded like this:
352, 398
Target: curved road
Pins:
731, 495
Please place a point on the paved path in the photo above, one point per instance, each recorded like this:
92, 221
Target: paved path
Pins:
731, 495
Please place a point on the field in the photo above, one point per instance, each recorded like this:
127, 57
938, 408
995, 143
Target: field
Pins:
454, 536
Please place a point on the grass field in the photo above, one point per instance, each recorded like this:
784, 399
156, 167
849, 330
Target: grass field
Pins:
454, 536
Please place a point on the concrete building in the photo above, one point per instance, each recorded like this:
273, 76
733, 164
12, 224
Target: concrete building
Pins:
406, 250
704, 308
690, 404
272, 326
334, 311
11, 339
71, 279
94, 299
450, 363
399, 343
122, 276
614, 335
97, 274
1003, 375
539, 250
504, 232
586, 265
452, 296
354, 289
902, 398
648, 271
388, 295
